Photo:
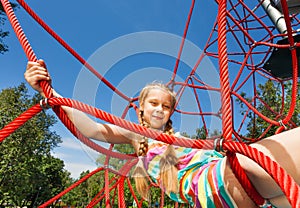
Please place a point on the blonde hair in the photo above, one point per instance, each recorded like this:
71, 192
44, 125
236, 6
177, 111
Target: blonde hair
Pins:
168, 162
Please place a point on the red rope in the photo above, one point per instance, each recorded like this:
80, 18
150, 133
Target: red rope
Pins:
287, 184
70, 49
183, 41
241, 24
243, 179
224, 75
121, 195
18, 30
101, 195
19, 121
226, 100
295, 63
57, 197
290, 188
200, 144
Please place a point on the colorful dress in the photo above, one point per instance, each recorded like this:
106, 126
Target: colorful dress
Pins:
200, 175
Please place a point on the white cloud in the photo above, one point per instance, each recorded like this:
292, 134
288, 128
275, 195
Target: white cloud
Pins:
77, 157
60, 155
76, 168
70, 143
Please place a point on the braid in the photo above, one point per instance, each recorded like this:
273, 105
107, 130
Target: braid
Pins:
169, 128
140, 173
168, 165
143, 148
142, 120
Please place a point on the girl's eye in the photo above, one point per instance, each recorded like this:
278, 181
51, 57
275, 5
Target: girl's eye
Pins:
166, 107
153, 102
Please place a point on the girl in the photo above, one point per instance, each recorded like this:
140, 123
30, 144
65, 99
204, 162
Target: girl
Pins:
202, 178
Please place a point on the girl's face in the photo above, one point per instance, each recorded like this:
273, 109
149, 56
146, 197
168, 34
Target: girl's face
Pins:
157, 108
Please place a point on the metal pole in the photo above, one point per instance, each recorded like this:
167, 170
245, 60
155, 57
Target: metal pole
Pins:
275, 15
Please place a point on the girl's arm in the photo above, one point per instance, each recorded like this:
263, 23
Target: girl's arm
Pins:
36, 72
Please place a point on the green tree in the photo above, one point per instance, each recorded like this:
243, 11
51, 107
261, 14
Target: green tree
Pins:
29, 174
3, 34
82, 195
202, 133
116, 164
271, 97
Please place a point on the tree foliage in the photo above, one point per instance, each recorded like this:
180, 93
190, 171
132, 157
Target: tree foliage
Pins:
29, 174
202, 133
270, 104
83, 194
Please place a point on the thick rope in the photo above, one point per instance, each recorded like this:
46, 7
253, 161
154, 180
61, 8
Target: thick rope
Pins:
224, 75
287, 184
200, 144
19, 121
225, 95
70, 49
226, 101
295, 65
243, 179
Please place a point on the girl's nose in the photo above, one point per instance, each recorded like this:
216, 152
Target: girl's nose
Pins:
159, 108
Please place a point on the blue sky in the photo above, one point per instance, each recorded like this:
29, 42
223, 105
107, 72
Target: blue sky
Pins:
109, 34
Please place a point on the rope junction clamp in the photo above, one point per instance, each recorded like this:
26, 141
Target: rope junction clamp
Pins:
293, 46
218, 145
44, 104
282, 124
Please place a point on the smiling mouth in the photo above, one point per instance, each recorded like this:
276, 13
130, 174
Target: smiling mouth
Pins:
158, 117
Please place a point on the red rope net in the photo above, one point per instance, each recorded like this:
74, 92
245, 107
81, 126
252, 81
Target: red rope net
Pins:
242, 39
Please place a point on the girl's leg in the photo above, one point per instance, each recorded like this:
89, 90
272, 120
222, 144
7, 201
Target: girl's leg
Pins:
283, 148
235, 189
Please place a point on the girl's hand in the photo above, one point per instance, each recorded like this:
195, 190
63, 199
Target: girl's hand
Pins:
36, 72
